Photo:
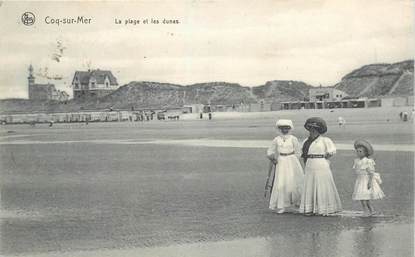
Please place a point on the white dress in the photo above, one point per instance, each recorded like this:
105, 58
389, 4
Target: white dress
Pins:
319, 193
289, 176
363, 168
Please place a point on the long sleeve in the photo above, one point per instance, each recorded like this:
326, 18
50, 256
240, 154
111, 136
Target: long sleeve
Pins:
297, 148
272, 150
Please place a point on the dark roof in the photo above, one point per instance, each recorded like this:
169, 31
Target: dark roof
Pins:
99, 75
83, 77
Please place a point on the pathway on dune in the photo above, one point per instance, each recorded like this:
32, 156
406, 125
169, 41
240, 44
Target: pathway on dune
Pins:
369, 86
398, 81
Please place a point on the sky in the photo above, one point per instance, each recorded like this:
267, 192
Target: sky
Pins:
245, 42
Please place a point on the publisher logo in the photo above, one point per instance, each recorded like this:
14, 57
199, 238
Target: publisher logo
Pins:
28, 18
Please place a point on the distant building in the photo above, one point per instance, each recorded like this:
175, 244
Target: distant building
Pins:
93, 83
44, 92
328, 98
396, 101
326, 94
193, 108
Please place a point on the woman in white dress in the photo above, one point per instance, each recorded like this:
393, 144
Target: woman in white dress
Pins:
284, 152
319, 193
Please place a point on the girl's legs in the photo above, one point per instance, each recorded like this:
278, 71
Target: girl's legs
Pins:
369, 207
363, 205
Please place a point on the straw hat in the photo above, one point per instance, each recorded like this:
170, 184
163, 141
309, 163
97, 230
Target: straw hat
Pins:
365, 144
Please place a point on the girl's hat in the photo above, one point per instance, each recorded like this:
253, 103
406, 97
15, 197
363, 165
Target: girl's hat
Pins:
365, 144
285, 123
316, 122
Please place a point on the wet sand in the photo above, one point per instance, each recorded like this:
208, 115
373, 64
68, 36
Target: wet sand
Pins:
129, 194
386, 240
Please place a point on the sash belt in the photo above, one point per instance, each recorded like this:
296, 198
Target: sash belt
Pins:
286, 154
316, 156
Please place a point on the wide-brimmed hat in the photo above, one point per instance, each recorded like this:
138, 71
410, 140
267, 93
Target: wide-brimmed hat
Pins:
284, 123
316, 122
365, 144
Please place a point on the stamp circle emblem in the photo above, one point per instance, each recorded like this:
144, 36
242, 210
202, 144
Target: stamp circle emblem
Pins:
28, 18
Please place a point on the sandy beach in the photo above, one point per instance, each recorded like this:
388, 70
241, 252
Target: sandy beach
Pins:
192, 188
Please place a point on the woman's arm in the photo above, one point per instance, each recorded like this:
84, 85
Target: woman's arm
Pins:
272, 151
296, 146
330, 148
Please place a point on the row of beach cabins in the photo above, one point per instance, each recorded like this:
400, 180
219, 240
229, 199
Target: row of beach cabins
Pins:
87, 116
175, 113
109, 115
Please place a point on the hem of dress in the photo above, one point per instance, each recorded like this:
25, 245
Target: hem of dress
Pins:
320, 211
368, 197
371, 198
284, 207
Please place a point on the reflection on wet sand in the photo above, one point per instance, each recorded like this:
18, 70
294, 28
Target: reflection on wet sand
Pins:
372, 239
369, 241
308, 244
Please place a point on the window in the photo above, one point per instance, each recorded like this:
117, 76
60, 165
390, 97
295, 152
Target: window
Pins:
106, 84
76, 85
92, 84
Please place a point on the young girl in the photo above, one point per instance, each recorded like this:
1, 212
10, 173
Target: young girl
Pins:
288, 179
367, 183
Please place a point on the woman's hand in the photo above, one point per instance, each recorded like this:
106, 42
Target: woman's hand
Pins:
273, 159
328, 155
